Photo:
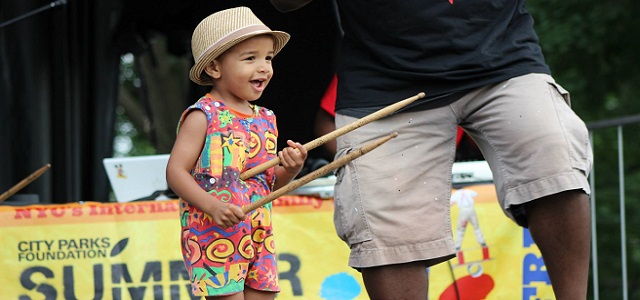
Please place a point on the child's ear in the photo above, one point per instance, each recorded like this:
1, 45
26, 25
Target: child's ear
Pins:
213, 70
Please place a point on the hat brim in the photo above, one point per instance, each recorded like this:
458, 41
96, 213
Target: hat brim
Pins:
280, 39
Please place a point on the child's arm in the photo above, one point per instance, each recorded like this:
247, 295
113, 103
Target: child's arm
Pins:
291, 162
184, 156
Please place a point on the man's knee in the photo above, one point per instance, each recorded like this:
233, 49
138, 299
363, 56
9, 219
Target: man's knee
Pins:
556, 203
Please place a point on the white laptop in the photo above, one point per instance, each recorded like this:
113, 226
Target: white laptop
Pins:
322, 187
471, 172
137, 177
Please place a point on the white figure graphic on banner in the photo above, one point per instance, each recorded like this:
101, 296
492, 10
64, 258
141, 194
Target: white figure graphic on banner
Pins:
464, 199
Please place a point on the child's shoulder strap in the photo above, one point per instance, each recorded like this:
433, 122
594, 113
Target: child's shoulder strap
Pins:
205, 104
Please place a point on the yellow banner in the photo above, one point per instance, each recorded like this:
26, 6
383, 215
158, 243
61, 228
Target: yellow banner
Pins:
93, 251
132, 251
509, 267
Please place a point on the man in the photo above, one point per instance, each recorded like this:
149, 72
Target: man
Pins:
481, 66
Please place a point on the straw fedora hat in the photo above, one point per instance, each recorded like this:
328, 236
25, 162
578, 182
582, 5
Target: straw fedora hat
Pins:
221, 31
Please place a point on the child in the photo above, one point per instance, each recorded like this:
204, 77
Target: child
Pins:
228, 255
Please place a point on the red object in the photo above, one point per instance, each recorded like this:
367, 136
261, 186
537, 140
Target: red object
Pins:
459, 135
328, 101
485, 253
469, 288
460, 256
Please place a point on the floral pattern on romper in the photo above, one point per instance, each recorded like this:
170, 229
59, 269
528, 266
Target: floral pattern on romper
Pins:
222, 261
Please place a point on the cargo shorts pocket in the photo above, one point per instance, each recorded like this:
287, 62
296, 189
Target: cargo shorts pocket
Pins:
349, 217
561, 91
575, 129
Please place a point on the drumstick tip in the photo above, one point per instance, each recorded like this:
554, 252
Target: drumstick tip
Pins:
421, 95
393, 135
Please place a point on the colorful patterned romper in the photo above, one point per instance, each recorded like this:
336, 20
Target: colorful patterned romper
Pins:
221, 262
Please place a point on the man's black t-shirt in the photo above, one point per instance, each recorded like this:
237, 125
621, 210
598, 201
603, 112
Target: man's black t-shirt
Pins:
395, 49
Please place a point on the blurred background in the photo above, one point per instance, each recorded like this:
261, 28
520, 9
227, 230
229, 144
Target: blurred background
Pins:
86, 80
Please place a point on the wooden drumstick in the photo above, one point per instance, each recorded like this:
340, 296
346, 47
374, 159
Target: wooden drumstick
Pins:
318, 173
336, 133
14, 189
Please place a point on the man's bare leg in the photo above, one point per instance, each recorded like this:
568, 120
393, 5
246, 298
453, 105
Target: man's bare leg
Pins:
403, 281
561, 227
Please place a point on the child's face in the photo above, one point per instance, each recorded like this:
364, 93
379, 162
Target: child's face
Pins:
243, 72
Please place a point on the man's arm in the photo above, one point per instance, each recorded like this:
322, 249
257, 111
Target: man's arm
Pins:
289, 5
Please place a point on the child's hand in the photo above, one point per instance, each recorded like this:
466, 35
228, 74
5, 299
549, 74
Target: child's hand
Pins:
227, 215
292, 158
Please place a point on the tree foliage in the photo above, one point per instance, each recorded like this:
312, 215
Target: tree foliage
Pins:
592, 48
